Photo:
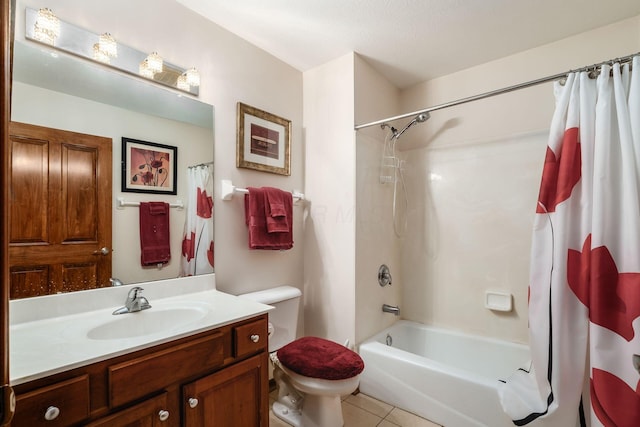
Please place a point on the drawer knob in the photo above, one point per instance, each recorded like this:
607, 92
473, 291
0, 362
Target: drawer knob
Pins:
255, 337
51, 413
193, 402
163, 415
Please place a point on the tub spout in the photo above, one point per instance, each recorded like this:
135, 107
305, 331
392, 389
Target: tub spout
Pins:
391, 309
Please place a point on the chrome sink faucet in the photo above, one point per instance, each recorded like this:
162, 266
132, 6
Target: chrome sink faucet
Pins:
115, 281
135, 302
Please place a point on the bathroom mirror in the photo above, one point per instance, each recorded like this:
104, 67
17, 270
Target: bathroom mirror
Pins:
57, 90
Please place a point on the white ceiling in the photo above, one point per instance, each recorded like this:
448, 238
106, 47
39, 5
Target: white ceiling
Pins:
408, 41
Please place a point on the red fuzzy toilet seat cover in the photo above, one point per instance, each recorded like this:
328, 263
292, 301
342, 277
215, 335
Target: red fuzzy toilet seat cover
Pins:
319, 358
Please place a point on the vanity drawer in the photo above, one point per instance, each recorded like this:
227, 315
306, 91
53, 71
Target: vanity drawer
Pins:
147, 374
151, 412
61, 404
250, 338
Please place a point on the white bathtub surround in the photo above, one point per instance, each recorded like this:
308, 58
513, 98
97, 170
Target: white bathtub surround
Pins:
448, 377
471, 220
69, 328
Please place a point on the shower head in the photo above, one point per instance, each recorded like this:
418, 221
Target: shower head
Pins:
420, 118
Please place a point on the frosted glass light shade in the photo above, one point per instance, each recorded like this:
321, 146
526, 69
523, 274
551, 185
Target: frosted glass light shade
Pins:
154, 62
99, 55
107, 45
182, 84
145, 70
47, 26
193, 77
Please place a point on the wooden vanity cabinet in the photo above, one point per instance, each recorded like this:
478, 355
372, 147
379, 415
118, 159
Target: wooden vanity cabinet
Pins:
218, 377
231, 397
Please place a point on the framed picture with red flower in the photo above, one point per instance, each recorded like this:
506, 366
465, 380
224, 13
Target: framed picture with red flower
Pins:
263, 141
149, 167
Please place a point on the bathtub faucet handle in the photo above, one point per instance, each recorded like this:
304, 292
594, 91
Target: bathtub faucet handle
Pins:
384, 275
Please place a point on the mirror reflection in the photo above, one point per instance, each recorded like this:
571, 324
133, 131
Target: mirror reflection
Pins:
75, 99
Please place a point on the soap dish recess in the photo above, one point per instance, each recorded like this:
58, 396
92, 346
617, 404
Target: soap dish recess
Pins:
498, 301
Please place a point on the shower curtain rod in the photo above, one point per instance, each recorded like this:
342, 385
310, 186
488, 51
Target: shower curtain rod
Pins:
497, 91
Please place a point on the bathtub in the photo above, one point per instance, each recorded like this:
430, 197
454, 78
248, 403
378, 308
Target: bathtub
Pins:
448, 377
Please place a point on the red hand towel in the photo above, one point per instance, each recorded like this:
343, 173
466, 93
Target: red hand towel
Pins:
155, 247
278, 209
259, 237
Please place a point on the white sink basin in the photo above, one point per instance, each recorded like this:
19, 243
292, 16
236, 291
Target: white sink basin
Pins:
148, 322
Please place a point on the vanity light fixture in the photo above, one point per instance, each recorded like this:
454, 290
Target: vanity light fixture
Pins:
47, 26
188, 79
145, 70
44, 27
99, 55
181, 82
154, 62
193, 77
107, 45
105, 49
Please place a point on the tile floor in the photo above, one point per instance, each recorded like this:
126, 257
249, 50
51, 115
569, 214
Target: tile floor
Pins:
364, 411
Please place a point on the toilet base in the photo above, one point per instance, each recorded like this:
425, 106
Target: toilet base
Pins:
317, 411
322, 411
286, 414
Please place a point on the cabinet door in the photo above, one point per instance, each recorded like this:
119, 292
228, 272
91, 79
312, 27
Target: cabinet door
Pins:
150, 413
235, 396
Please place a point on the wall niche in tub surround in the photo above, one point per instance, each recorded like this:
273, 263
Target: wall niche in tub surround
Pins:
64, 92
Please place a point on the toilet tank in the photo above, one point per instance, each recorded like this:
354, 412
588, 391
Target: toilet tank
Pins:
283, 321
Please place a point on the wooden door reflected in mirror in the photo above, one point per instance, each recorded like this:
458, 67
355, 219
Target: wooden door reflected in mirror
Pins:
59, 211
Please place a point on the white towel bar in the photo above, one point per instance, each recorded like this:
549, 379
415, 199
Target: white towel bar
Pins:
121, 204
228, 189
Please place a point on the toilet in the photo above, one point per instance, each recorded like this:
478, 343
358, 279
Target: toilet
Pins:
311, 373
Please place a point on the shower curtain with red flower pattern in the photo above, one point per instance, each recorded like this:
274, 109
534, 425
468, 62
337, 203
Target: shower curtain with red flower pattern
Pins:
584, 290
197, 239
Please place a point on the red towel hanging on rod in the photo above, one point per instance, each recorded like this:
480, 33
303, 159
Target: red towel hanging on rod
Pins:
155, 243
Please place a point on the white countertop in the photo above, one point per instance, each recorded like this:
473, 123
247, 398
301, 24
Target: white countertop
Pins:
42, 346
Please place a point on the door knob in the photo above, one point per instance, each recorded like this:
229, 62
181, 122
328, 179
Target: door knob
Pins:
102, 251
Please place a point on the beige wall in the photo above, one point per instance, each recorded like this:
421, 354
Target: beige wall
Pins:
330, 156
376, 242
232, 70
474, 172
